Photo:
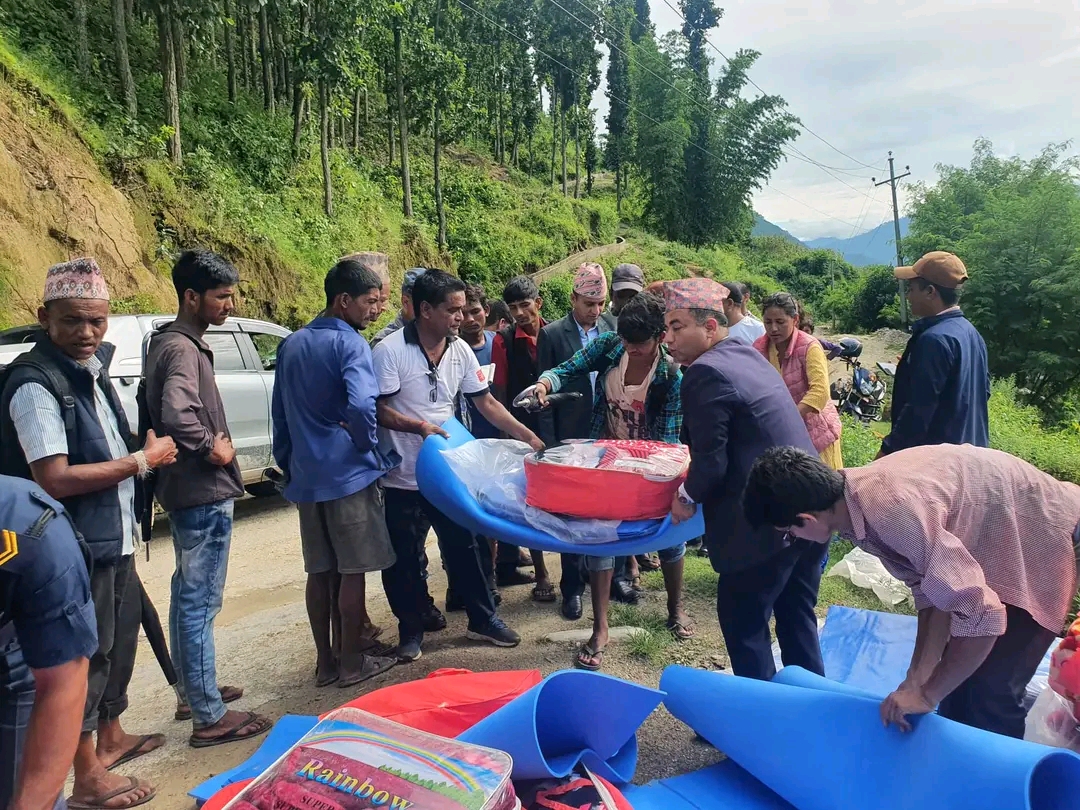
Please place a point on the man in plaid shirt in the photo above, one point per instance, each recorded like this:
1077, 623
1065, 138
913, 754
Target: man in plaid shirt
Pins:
988, 544
636, 397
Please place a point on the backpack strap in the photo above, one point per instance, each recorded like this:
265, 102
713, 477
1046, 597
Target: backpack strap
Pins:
59, 386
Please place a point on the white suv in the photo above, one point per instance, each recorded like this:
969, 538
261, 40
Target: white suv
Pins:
245, 353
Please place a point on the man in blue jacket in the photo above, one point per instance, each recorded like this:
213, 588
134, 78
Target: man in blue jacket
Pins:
942, 384
325, 442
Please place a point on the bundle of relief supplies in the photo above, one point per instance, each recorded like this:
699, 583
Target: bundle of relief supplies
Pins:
606, 479
1054, 719
353, 760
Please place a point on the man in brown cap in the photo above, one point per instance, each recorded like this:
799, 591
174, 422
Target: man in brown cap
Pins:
942, 383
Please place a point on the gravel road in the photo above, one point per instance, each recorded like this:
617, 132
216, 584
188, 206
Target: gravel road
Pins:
264, 645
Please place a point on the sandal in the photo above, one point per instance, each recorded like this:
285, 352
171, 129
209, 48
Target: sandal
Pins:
682, 631
102, 802
581, 661
648, 562
373, 665
139, 749
371, 631
261, 725
544, 593
377, 648
636, 584
229, 694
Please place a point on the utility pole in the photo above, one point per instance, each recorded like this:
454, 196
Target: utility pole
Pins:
893, 177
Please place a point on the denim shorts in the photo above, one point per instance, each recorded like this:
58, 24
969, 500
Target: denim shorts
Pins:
667, 555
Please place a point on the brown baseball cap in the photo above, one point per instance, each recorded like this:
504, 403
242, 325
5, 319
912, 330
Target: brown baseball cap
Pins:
938, 268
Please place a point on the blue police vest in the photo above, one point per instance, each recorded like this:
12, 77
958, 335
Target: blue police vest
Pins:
96, 514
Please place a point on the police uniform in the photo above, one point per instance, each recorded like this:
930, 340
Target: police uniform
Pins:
46, 611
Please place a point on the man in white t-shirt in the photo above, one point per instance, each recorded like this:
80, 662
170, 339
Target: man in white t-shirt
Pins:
421, 369
742, 326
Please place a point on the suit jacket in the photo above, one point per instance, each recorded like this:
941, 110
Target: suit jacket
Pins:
557, 343
735, 406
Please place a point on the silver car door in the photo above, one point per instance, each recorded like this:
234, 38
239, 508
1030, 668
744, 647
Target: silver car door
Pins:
264, 341
247, 408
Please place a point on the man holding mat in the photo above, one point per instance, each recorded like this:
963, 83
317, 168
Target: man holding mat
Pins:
987, 543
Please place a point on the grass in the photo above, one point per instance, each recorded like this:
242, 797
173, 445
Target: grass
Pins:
657, 646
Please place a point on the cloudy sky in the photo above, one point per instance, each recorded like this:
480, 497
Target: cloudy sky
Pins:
924, 79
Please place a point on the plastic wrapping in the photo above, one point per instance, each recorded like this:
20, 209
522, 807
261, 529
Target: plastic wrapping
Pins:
1051, 722
493, 470
353, 760
866, 571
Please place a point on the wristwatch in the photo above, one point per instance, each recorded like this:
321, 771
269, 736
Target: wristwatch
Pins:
684, 499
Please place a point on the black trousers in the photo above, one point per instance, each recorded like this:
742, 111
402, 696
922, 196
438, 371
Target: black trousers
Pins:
409, 517
993, 697
574, 577
785, 586
506, 558
118, 605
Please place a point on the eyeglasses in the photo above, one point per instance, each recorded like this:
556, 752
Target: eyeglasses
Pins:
433, 378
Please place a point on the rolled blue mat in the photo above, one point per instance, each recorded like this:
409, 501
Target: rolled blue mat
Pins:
724, 786
445, 490
571, 716
822, 746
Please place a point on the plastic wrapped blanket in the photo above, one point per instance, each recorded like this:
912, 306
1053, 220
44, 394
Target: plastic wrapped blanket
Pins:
493, 470
440, 484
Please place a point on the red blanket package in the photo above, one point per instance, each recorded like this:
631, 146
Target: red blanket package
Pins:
607, 479
352, 760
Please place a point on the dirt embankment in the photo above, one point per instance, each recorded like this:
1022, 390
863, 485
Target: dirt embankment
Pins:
56, 204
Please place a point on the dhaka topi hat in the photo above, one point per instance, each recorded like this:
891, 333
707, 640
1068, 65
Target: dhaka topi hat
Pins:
590, 282
78, 278
694, 293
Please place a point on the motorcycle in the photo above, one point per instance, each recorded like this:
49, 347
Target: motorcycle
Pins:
862, 396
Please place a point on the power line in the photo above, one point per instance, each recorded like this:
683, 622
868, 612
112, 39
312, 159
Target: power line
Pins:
755, 84
629, 106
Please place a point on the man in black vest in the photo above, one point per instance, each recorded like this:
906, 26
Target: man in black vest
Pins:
62, 425
513, 351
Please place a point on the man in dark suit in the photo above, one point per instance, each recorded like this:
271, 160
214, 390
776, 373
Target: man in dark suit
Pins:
558, 342
735, 407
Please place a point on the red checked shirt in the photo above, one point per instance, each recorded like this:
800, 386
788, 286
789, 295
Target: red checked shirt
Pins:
970, 530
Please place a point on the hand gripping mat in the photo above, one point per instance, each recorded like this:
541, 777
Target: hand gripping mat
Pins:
821, 746
570, 717
445, 490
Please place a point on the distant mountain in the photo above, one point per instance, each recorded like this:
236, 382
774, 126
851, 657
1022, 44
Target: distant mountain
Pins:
875, 246
762, 227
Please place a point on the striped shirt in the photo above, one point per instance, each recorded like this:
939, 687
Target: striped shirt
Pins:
970, 530
39, 425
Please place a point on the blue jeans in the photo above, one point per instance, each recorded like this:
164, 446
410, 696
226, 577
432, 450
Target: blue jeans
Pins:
16, 705
201, 537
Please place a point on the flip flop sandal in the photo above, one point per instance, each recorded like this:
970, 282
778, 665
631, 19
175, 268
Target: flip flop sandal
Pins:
588, 652
137, 751
261, 724
637, 585
229, 694
378, 649
647, 562
373, 665
101, 802
681, 631
542, 593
